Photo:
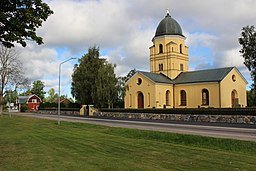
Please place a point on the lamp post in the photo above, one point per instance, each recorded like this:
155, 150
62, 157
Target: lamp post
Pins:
59, 88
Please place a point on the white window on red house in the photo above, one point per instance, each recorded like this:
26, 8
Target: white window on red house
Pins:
34, 100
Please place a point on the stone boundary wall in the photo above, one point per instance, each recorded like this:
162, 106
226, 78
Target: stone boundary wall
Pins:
55, 112
241, 119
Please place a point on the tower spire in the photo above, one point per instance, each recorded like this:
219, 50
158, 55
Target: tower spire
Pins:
167, 12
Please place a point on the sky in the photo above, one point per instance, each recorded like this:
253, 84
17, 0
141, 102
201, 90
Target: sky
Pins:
123, 30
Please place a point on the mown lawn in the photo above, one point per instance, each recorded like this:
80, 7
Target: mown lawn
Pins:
35, 144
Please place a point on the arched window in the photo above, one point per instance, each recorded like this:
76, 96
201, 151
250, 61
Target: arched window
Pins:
167, 98
161, 67
180, 48
183, 98
130, 98
234, 98
205, 97
160, 48
181, 67
149, 99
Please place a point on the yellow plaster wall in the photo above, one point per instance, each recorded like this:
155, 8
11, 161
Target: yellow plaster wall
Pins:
164, 40
228, 85
161, 90
171, 57
155, 94
147, 87
194, 94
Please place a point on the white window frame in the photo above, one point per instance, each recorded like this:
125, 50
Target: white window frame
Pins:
34, 100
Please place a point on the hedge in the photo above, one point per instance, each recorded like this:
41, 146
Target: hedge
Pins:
193, 111
55, 105
62, 109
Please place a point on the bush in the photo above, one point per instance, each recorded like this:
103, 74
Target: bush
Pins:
62, 109
23, 108
192, 111
55, 105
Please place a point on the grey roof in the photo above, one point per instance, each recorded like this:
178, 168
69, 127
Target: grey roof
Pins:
157, 78
22, 99
168, 26
209, 75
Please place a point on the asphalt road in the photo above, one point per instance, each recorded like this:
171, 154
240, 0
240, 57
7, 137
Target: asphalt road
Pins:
228, 131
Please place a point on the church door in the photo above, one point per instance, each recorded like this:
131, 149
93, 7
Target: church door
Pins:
234, 98
140, 100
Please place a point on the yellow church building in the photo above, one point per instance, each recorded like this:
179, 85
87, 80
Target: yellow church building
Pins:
170, 84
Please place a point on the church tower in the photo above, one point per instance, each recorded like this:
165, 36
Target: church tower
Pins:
169, 53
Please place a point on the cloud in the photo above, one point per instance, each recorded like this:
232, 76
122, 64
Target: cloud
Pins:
85, 23
38, 62
229, 58
124, 29
201, 39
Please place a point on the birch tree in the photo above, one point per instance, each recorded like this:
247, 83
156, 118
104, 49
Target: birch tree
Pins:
11, 72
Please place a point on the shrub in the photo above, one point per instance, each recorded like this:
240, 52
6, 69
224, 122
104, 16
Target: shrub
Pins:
62, 109
193, 111
23, 108
55, 105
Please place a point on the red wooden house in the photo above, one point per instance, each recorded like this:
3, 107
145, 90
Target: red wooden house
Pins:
33, 102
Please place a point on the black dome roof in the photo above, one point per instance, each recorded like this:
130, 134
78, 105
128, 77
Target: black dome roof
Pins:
168, 26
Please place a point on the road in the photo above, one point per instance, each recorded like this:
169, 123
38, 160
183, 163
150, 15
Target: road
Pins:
234, 132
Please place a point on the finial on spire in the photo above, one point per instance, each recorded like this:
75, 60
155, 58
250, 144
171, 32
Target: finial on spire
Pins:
168, 11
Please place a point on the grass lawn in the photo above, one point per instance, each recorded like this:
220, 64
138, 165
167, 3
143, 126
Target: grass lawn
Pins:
36, 144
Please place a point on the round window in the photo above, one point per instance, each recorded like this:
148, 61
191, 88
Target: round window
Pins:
233, 78
139, 81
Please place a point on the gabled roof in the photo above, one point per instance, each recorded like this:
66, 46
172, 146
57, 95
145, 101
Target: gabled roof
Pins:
201, 76
171, 42
209, 75
64, 100
22, 99
157, 78
34, 95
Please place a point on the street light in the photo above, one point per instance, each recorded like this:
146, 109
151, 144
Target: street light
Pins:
59, 88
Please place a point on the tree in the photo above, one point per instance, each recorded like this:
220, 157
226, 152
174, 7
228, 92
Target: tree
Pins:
19, 20
248, 43
52, 98
11, 72
130, 74
25, 92
93, 80
10, 96
38, 89
121, 87
250, 98
106, 82
84, 76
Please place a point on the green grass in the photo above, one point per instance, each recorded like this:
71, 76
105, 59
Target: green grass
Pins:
35, 144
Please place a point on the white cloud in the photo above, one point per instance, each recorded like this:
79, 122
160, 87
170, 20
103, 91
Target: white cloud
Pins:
124, 29
39, 62
231, 58
201, 39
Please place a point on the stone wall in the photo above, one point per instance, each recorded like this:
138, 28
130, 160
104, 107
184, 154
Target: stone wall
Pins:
182, 117
55, 112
